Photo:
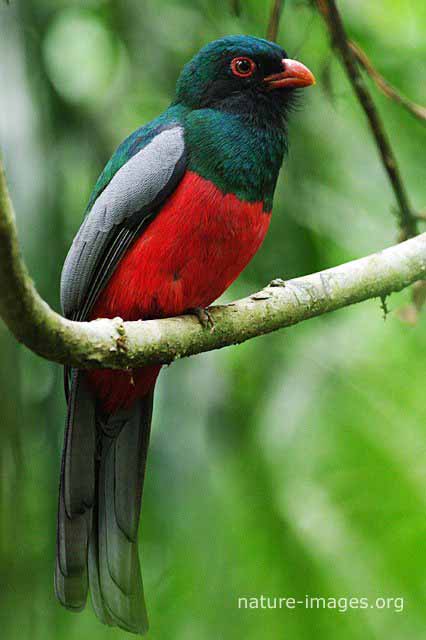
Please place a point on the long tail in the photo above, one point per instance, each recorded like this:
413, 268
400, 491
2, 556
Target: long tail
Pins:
103, 467
76, 496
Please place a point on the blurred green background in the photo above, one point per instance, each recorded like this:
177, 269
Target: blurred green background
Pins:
294, 464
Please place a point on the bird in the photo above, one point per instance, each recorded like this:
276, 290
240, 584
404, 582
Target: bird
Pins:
178, 212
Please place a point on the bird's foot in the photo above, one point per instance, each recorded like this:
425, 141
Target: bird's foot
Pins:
204, 317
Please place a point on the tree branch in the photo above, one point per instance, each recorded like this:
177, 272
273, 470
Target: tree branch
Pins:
331, 15
274, 20
236, 7
384, 86
117, 344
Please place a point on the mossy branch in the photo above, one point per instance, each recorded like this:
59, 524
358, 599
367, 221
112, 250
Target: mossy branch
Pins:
117, 344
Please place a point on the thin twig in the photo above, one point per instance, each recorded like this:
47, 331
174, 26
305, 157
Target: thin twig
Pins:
235, 7
421, 215
274, 20
384, 86
406, 217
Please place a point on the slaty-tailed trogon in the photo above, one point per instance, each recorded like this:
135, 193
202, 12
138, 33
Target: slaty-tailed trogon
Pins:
178, 212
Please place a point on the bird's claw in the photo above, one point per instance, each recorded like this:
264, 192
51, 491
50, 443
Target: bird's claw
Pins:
204, 317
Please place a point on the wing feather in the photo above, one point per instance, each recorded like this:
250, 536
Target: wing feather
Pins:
119, 215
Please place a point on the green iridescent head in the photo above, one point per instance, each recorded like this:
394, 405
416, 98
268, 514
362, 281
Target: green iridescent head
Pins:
239, 74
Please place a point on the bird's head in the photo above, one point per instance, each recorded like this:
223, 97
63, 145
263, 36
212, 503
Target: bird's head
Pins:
242, 74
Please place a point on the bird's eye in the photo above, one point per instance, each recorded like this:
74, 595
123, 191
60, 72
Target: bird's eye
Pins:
243, 67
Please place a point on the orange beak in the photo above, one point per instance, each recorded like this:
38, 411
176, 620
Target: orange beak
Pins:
294, 75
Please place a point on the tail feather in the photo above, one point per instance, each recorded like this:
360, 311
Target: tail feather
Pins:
125, 439
76, 495
79, 468
94, 577
102, 475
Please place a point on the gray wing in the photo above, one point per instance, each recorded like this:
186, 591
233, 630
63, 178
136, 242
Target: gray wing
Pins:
119, 214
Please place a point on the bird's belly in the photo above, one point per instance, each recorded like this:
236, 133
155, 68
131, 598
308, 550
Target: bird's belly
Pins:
193, 250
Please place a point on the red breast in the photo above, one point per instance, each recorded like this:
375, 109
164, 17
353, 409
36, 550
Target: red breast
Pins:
195, 247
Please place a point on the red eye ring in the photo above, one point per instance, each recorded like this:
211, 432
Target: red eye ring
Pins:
243, 67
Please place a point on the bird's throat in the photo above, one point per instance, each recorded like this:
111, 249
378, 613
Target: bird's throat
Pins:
237, 155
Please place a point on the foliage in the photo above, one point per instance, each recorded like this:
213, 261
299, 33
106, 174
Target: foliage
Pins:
291, 465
